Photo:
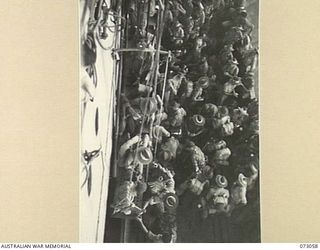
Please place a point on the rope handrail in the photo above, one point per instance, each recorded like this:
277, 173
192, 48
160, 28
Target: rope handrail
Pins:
141, 50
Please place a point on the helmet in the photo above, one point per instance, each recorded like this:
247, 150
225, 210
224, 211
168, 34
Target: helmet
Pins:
221, 181
170, 201
144, 155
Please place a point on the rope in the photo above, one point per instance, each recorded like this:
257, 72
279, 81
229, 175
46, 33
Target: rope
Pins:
141, 50
148, 17
162, 98
154, 76
148, 96
118, 82
160, 24
158, 44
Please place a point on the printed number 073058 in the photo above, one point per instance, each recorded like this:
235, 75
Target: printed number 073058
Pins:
308, 245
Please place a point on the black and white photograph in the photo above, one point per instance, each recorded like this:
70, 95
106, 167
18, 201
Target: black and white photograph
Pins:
169, 121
